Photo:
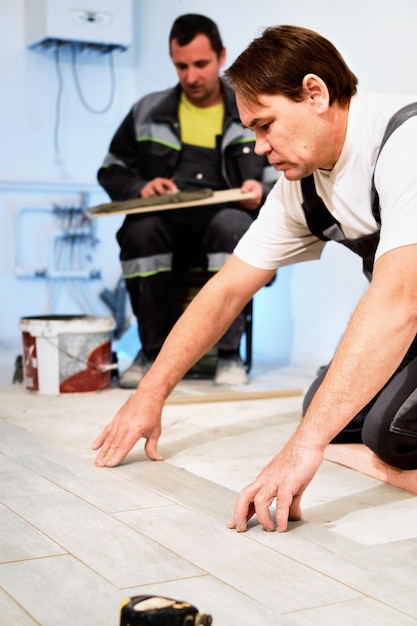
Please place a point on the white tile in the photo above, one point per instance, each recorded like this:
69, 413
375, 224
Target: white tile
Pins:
353, 556
20, 540
102, 487
398, 510
60, 590
118, 553
12, 614
21, 481
272, 579
370, 570
362, 611
223, 602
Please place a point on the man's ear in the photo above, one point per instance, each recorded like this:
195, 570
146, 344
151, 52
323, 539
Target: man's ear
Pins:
316, 90
222, 57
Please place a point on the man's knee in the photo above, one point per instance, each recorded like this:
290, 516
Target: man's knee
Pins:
390, 429
144, 235
394, 449
227, 227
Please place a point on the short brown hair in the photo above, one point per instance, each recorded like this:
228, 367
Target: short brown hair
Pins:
276, 63
187, 27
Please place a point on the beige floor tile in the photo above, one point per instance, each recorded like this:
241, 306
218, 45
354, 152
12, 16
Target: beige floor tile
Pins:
19, 540
12, 613
90, 537
116, 552
273, 579
362, 611
60, 590
223, 602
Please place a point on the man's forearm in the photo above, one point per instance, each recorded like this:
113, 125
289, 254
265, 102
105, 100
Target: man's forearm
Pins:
373, 346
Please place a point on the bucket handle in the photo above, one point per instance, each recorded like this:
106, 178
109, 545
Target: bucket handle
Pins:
106, 367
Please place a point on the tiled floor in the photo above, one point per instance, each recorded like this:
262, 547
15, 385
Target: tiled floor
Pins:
76, 540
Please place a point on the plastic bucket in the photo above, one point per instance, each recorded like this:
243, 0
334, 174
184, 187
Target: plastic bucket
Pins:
66, 353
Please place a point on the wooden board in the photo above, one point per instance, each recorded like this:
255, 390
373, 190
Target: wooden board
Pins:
232, 396
225, 195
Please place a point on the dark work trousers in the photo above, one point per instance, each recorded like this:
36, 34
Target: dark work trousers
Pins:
175, 239
388, 423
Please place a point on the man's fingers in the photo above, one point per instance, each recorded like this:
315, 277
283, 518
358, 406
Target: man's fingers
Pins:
135, 420
104, 442
98, 442
245, 509
263, 501
115, 455
284, 504
295, 513
257, 499
114, 448
111, 455
151, 449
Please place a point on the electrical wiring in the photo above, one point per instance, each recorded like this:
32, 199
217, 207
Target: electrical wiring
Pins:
58, 101
78, 86
54, 292
72, 244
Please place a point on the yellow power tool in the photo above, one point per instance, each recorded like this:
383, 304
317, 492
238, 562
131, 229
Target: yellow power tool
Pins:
160, 611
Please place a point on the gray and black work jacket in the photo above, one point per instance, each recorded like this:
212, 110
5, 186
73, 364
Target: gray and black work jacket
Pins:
147, 145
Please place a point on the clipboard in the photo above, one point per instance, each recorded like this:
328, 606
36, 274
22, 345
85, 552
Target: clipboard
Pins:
134, 206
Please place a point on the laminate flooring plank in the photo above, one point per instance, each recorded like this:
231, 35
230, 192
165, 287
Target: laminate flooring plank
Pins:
60, 590
18, 480
102, 487
16, 441
315, 546
11, 614
399, 515
182, 487
118, 553
19, 540
43, 467
263, 574
361, 611
226, 604
370, 570
405, 550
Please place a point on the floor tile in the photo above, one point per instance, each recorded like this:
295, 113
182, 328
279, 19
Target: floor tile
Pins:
100, 541
12, 613
86, 538
19, 540
60, 590
275, 581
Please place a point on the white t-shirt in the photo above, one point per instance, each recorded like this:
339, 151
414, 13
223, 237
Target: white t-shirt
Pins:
280, 236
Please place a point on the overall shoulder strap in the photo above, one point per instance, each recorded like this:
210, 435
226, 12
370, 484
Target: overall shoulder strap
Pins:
396, 120
319, 219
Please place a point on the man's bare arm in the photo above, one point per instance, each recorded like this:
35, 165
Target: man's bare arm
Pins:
205, 320
377, 338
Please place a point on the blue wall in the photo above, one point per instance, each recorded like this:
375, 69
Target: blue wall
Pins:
300, 319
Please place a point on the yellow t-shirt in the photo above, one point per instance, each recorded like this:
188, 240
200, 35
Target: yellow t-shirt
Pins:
200, 125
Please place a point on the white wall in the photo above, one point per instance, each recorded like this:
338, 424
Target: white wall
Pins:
298, 320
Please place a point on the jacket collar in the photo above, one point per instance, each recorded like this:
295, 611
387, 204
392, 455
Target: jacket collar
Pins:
167, 109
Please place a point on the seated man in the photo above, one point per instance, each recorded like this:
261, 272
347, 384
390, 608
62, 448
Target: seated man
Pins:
187, 137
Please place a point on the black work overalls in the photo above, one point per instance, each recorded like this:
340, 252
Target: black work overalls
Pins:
387, 424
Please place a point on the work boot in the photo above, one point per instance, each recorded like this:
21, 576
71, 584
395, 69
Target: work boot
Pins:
136, 371
230, 370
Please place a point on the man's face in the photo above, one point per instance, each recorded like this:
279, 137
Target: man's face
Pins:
198, 68
291, 134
